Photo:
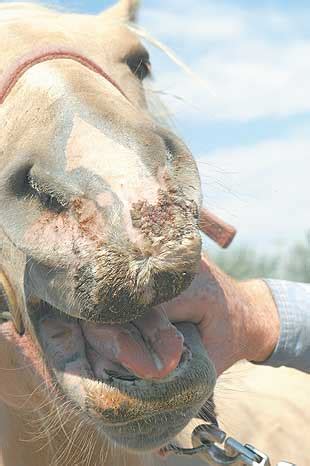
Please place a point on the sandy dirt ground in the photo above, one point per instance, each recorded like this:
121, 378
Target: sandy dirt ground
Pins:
268, 408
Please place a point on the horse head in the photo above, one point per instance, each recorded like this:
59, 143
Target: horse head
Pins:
99, 219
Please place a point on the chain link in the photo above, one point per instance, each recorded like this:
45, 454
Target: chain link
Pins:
219, 450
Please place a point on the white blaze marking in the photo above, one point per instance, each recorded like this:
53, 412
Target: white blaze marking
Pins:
119, 166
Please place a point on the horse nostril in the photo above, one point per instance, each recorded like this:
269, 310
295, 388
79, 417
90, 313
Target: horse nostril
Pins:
27, 181
18, 181
50, 197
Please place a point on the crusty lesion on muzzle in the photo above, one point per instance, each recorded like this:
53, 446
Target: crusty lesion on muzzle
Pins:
120, 280
168, 219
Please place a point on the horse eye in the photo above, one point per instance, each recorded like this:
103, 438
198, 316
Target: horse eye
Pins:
140, 66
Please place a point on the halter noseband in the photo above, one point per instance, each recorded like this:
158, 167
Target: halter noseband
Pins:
16, 71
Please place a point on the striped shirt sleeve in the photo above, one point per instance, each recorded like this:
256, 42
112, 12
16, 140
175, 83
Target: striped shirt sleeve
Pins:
293, 303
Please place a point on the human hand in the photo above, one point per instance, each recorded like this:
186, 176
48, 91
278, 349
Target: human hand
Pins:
236, 320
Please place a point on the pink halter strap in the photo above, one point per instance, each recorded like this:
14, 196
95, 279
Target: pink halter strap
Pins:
9, 78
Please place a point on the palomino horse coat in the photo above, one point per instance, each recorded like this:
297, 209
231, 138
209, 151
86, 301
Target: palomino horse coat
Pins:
99, 210
99, 223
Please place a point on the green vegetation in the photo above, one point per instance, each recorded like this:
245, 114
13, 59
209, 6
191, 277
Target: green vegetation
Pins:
245, 263
297, 266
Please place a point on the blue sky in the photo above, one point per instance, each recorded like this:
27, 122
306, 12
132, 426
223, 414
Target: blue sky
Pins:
248, 123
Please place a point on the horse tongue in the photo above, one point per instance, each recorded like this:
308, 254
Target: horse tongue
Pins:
151, 348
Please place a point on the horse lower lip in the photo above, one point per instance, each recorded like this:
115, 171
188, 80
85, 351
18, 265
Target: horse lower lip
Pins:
119, 405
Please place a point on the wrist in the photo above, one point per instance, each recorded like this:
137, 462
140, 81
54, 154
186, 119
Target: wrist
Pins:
261, 323
227, 312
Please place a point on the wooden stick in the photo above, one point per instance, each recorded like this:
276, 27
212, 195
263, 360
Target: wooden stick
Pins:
216, 229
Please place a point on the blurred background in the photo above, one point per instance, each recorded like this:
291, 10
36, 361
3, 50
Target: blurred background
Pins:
245, 116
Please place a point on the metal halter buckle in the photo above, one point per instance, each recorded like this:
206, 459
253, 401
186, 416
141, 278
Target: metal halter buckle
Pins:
210, 437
